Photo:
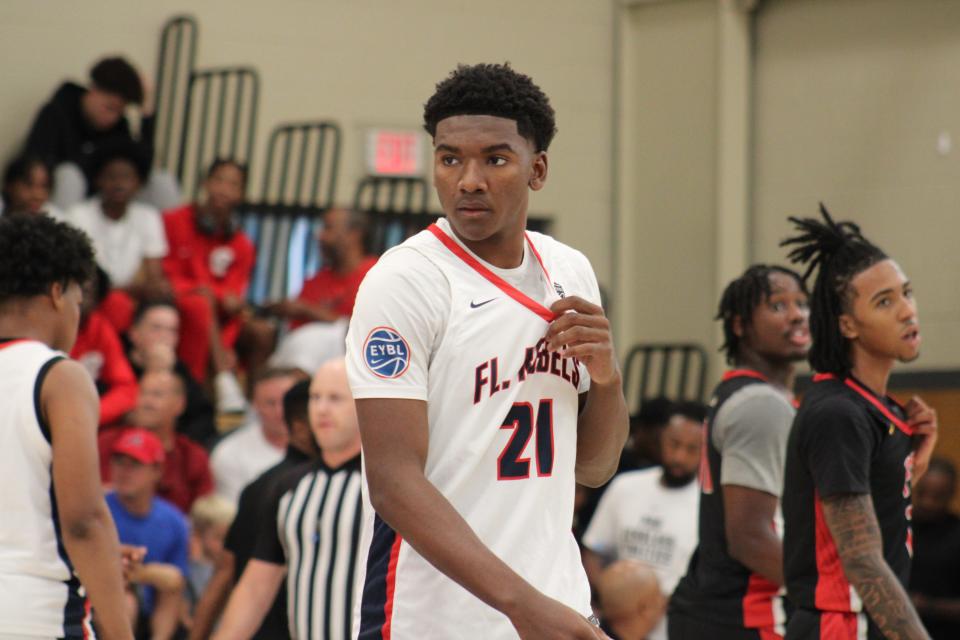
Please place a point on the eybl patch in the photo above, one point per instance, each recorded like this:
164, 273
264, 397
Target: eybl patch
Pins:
386, 353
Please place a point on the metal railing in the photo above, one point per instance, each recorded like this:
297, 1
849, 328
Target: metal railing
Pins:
310, 151
677, 371
176, 60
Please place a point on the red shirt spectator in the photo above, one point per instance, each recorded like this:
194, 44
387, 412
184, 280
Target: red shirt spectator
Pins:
334, 289
200, 257
186, 468
209, 265
99, 350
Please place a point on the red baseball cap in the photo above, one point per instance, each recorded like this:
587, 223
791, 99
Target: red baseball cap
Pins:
141, 445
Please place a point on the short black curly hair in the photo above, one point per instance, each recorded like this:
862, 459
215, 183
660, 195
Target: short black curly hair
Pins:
117, 76
38, 251
120, 149
493, 90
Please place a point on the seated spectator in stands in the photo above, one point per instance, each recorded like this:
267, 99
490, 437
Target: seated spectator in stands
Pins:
631, 601
210, 519
209, 264
26, 187
242, 536
318, 316
78, 121
935, 576
651, 515
99, 350
128, 237
153, 339
186, 468
260, 443
145, 520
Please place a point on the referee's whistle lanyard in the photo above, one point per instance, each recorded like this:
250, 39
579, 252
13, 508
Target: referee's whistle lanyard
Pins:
870, 397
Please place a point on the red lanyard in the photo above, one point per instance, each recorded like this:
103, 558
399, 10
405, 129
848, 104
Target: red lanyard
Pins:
497, 281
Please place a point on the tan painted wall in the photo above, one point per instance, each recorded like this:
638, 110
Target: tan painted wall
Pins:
669, 172
360, 62
851, 96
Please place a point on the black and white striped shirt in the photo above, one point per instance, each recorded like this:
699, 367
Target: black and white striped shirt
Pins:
314, 530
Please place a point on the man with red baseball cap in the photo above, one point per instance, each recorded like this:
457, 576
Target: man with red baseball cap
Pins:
146, 520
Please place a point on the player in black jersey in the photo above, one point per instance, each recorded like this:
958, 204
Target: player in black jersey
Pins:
853, 451
731, 586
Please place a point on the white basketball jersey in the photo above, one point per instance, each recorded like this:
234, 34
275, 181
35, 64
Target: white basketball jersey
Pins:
433, 322
39, 595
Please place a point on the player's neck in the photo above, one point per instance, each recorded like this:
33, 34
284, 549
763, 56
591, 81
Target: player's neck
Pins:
24, 320
778, 373
498, 250
871, 370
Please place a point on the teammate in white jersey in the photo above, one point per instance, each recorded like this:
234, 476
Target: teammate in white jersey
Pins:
54, 518
486, 386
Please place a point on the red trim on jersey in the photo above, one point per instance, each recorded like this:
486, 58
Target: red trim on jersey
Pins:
768, 633
497, 281
871, 398
758, 602
391, 587
743, 373
833, 590
838, 626
87, 619
9, 343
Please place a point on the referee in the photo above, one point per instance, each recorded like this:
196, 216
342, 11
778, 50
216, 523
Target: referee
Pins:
312, 536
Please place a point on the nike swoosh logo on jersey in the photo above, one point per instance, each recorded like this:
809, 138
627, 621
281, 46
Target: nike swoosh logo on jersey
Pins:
476, 305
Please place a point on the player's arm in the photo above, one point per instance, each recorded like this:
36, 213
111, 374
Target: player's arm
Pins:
251, 599
395, 440
853, 525
581, 330
70, 406
214, 597
166, 614
751, 538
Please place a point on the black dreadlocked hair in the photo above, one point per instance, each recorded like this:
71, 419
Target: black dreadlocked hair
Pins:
741, 297
839, 252
493, 90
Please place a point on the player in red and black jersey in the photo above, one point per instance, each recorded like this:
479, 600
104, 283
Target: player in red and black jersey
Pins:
731, 588
853, 451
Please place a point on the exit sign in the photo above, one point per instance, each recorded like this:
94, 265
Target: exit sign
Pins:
392, 152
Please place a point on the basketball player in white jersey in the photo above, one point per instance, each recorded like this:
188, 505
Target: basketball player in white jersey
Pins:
486, 386
58, 543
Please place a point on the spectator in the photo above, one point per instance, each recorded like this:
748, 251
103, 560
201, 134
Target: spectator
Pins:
209, 265
651, 515
99, 350
153, 339
259, 444
26, 187
186, 469
631, 601
319, 561
128, 236
146, 520
210, 519
318, 315
78, 121
238, 547
935, 576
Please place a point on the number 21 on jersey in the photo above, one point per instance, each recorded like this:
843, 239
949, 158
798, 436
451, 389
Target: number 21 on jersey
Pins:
525, 421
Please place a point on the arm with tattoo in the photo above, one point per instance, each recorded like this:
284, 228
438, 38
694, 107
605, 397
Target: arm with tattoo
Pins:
853, 525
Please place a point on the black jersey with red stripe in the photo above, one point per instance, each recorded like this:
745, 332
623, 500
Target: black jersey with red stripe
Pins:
717, 588
845, 440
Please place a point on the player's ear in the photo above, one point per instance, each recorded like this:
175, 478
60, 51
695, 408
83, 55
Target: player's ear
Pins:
737, 326
539, 174
848, 326
57, 293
